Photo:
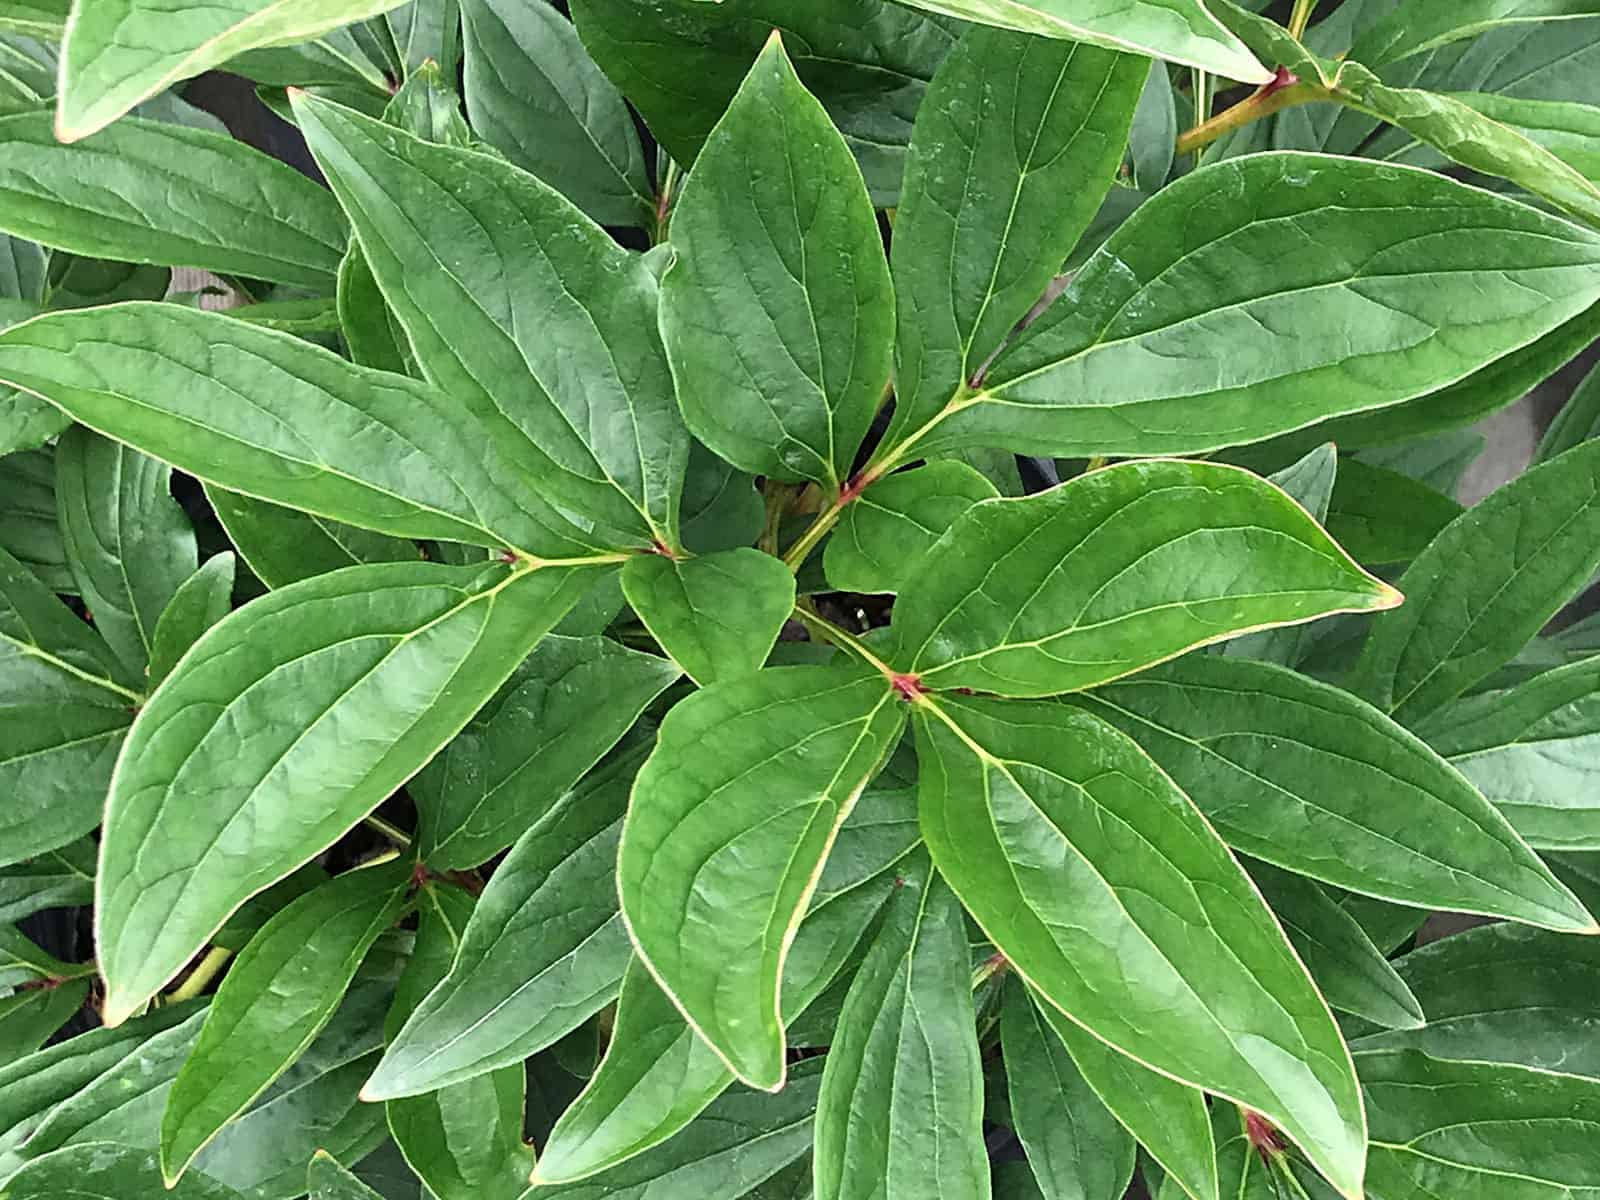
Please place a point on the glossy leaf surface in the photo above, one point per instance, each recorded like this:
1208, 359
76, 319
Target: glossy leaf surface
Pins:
888, 528
543, 951
1109, 892
199, 602
730, 823
777, 311
1119, 569
105, 1171
717, 616
403, 653
1307, 777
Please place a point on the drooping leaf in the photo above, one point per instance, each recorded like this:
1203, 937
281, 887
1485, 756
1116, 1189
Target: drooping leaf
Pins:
115, 55
1180, 30
534, 94
658, 1074
564, 706
465, 1141
544, 950
224, 400
1477, 1131
128, 542
231, 209
1106, 888
1167, 1117
730, 823
274, 1001
1307, 777
887, 530
1485, 586
283, 545
565, 365
1153, 137
1014, 150
902, 1085
719, 615
1118, 569
1578, 421
1077, 1149
106, 1171
743, 1138
777, 311
681, 61
347, 684
200, 602
1126, 361
1348, 969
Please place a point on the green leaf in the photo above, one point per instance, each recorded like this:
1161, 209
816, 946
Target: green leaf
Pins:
718, 616
681, 61
658, 1074
1153, 137
116, 55
429, 107
34, 18
327, 1180
32, 1086
105, 1171
1167, 1117
741, 1140
1578, 421
1485, 586
23, 962
778, 311
1077, 1149
231, 209
29, 1018
1348, 969
1531, 751
1126, 361
128, 542
464, 1141
372, 335
1477, 1131
1114, 571
564, 706
282, 545
731, 821
1244, 1172
200, 602
1383, 517
1476, 140
62, 878
1503, 993
1307, 777
1416, 25
1015, 148
1107, 889
297, 715
251, 916
124, 1103
722, 510
28, 527
890, 527
566, 366
902, 1088
225, 401
534, 94
1309, 482
63, 713
274, 1001
1179, 30
544, 951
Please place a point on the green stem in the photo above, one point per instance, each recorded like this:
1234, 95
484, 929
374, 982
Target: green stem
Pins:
820, 626
393, 832
1301, 17
210, 966
1200, 83
669, 181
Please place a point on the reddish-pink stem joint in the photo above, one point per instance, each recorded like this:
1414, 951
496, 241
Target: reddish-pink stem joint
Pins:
659, 547
508, 556
853, 489
909, 686
1264, 1136
419, 875
1282, 78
